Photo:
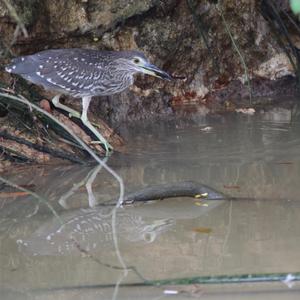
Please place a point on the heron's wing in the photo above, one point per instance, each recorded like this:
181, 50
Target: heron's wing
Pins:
69, 70
75, 70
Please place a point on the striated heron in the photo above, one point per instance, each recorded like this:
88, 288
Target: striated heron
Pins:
84, 73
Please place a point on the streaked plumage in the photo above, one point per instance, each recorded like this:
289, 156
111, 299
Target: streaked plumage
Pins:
83, 73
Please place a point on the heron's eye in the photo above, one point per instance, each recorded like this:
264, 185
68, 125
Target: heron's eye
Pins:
136, 60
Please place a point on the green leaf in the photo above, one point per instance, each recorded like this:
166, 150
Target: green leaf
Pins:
295, 6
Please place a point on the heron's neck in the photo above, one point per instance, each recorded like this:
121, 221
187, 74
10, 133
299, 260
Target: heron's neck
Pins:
125, 80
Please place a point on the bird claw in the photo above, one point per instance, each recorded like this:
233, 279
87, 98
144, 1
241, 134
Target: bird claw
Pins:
107, 146
74, 115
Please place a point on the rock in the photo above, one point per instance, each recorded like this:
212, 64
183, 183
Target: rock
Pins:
99, 16
276, 67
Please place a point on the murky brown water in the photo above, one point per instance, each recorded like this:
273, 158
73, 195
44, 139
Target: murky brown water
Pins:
255, 159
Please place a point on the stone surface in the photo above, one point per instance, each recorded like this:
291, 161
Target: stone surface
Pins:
276, 67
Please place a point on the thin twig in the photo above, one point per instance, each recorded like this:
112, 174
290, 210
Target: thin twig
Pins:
98, 261
14, 14
33, 194
7, 151
292, 21
234, 43
202, 33
219, 279
41, 148
285, 33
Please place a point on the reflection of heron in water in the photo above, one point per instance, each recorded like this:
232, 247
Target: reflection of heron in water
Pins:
91, 229
154, 192
88, 183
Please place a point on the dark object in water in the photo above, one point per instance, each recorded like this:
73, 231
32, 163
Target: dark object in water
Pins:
171, 190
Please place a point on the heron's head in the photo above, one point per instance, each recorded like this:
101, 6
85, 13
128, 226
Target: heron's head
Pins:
136, 62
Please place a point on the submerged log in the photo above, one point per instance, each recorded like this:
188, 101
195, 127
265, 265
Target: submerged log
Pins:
41, 153
40, 138
173, 190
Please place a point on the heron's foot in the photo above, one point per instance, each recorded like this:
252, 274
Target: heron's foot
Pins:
97, 125
74, 114
108, 148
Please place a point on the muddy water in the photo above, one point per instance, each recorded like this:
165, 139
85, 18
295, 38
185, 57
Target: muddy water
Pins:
65, 248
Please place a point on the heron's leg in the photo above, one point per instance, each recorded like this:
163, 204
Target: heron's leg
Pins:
89, 184
72, 112
85, 105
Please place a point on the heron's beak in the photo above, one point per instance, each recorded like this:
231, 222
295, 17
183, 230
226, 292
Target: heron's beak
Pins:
155, 71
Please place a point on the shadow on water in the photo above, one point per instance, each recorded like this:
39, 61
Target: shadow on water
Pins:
253, 160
